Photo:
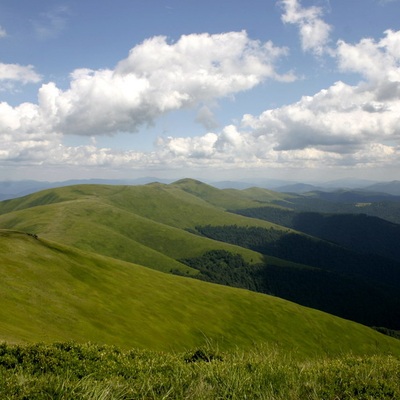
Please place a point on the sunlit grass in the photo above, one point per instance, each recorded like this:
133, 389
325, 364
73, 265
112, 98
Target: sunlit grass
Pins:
87, 371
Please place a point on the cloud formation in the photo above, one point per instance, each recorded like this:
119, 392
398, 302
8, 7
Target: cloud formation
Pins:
341, 125
314, 31
156, 77
19, 73
375, 61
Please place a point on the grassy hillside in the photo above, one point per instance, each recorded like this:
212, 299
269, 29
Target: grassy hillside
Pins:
143, 224
229, 198
52, 292
173, 227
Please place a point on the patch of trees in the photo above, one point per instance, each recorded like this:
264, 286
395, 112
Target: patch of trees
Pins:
225, 268
360, 232
310, 251
360, 287
336, 294
388, 332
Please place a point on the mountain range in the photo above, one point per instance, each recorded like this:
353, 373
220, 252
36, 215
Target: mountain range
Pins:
149, 265
11, 189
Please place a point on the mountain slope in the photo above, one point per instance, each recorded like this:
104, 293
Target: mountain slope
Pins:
173, 227
148, 224
52, 292
130, 223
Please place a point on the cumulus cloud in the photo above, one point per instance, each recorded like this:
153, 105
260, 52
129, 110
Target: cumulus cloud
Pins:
342, 125
374, 60
339, 119
156, 77
18, 73
354, 123
314, 31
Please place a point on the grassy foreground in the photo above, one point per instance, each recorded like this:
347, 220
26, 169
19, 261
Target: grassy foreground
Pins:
87, 371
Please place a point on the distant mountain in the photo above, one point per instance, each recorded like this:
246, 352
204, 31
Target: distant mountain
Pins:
298, 188
349, 183
386, 187
353, 196
231, 184
14, 189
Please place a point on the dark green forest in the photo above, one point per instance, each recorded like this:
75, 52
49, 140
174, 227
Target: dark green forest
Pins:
336, 280
359, 232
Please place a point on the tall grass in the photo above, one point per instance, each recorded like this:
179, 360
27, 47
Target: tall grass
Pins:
89, 371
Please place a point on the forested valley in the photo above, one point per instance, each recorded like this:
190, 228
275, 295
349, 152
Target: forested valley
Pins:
354, 285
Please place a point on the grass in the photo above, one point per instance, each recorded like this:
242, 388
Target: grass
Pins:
68, 371
52, 292
147, 225
142, 224
231, 199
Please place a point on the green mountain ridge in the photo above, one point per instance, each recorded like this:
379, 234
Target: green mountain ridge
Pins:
52, 292
156, 226
94, 217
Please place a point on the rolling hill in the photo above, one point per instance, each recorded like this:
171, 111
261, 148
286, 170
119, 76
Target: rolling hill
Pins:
172, 227
142, 224
53, 292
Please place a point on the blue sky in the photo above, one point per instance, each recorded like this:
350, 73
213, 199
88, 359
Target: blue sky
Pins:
290, 89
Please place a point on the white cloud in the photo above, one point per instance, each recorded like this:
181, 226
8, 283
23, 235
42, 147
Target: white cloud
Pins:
190, 147
375, 61
157, 77
340, 119
341, 126
18, 73
314, 31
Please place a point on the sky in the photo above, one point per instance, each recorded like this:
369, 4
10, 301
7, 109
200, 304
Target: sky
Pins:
305, 90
